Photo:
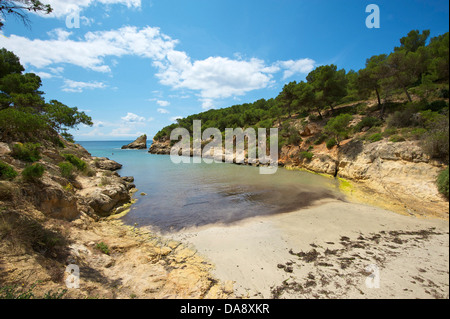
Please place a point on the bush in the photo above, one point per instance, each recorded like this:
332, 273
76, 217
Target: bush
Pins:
442, 183
435, 142
28, 152
375, 137
389, 131
66, 169
368, 122
103, 248
397, 138
417, 133
331, 143
322, 138
75, 161
306, 155
7, 172
437, 106
25, 125
33, 172
401, 118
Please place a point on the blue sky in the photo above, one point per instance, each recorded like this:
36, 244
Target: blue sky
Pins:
135, 66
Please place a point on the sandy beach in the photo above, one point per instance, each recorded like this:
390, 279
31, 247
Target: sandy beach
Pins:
324, 251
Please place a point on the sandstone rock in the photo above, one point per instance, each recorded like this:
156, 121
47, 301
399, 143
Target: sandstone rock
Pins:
139, 143
4, 149
128, 179
106, 164
57, 203
104, 200
160, 148
310, 129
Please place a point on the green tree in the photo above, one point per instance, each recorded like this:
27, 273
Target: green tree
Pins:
413, 41
9, 63
369, 78
330, 84
287, 97
438, 66
338, 127
62, 117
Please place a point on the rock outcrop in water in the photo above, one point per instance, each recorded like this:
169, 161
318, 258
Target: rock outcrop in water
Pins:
160, 147
139, 144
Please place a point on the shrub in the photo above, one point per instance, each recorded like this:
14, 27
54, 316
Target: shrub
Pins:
437, 106
375, 137
442, 183
23, 124
33, 172
103, 248
389, 131
401, 119
435, 142
306, 155
28, 152
7, 172
367, 122
66, 169
331, 143
397, 138
75, 161
417, 133
104, 181
322, 138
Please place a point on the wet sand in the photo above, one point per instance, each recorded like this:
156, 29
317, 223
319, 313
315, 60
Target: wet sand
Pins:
323, 252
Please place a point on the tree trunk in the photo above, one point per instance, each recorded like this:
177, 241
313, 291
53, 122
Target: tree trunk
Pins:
378, 97
320, 114
407, 94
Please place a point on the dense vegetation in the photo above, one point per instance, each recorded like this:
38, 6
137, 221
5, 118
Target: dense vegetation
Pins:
24, 114
416, 71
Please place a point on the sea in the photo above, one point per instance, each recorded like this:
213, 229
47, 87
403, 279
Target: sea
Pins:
173, 197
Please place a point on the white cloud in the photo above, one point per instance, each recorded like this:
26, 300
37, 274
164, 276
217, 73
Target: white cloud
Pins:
132, 118
90, 51
302, 66
207, 104
215, 77
78, 87
62, 8
43, 75
211, 78
175, 118
163, 103
163, 111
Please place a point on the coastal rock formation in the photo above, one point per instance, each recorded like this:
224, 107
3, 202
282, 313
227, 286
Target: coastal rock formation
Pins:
139, 144
401, 171
160, 147
106, 164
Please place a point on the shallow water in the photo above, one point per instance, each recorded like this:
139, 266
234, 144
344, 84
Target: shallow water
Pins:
186, 195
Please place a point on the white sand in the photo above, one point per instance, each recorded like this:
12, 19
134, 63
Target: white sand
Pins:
248, 253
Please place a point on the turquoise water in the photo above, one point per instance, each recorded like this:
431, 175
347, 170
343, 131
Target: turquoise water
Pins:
186, 195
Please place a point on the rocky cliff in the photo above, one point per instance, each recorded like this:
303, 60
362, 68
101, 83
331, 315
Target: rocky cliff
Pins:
140, 143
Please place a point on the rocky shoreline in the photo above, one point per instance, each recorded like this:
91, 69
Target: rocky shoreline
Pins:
398, 176
77, 222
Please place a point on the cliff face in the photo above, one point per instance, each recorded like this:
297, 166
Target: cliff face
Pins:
140, 143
